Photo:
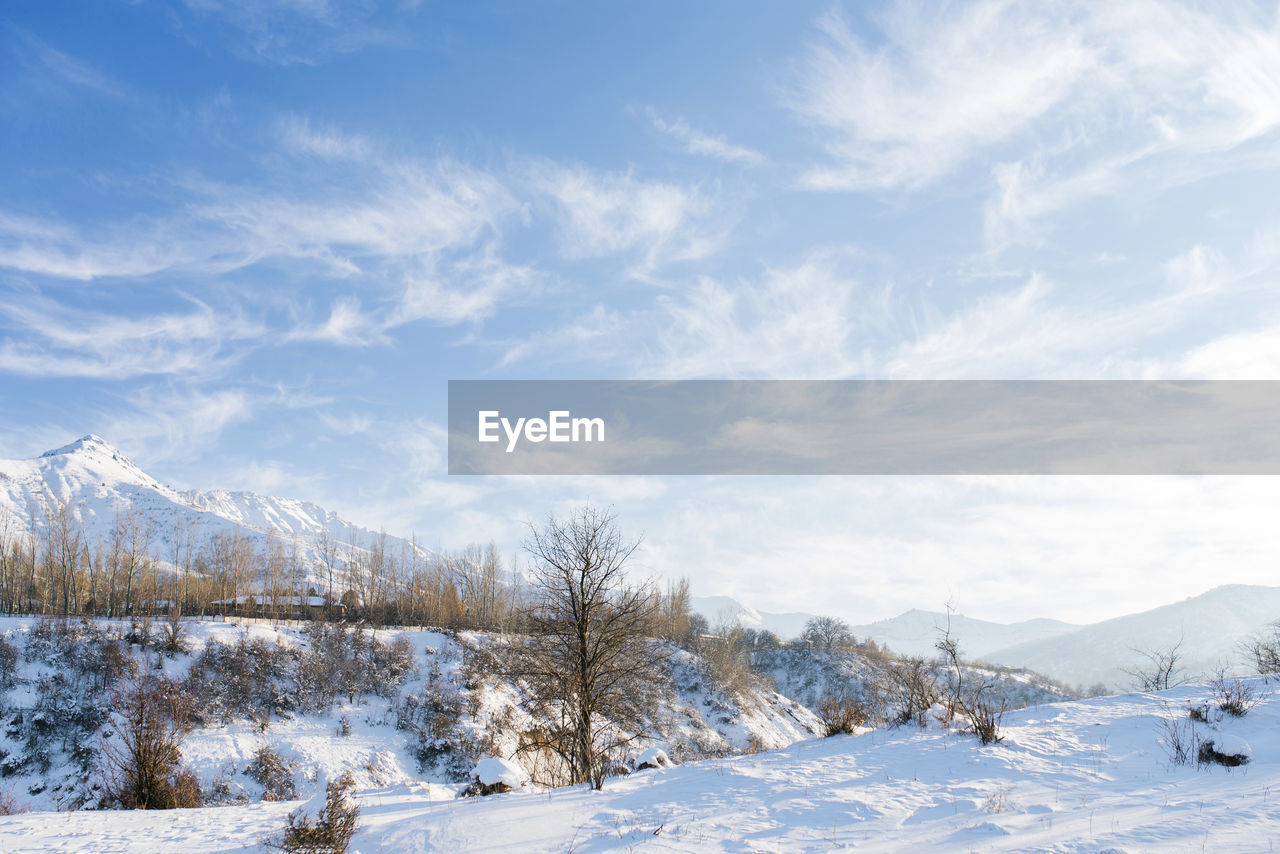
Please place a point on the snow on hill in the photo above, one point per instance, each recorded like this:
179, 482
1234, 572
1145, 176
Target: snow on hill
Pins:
1211, 627
423, 717
98, 481
1089, 776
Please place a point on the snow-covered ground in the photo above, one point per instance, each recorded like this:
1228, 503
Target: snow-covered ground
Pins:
1092, 775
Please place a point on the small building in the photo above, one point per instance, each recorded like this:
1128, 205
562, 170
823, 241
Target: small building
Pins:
284, 607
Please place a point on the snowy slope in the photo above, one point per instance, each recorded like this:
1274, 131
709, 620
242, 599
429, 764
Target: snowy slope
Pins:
99, 482
1090, 776
1211, 626
39, 738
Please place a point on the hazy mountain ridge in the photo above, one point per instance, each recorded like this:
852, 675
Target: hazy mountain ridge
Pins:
1212, 627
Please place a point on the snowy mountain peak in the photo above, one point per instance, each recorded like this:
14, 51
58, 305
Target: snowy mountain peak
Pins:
99, 483
94, 449
90, 443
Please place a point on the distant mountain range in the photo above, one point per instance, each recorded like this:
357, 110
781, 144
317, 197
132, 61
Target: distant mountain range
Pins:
1211, 628
98, 482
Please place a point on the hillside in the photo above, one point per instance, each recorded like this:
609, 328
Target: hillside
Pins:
1086, 776
392, 706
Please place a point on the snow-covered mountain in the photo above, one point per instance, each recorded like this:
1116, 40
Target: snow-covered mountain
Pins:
915, 632
909, 633
723, 609
100, 484
1211, 627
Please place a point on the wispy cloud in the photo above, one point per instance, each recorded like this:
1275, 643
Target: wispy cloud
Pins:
1058, 102
611, 213
944, 84
54, 248
162, 423
299, 134
695, 141
52, 340
60, 68
300, 32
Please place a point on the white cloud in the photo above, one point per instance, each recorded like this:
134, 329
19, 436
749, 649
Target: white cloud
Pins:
801, 322
1060, 102
58, 341
695, 141
62, 68
301, 32
608, 213
946, 83
298, 134
168, 423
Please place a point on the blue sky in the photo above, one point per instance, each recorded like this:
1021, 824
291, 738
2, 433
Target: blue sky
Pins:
250, 242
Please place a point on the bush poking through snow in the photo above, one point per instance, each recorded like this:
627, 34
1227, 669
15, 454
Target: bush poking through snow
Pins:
653, 758
493, 776
1233, 695
1180, 741
173, 638
1226, 751
329, 831
8, 663
985, 716
841, 714
9, 804
269, 770
151, 716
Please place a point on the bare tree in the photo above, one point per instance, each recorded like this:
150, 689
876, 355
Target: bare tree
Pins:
1263, 649
588, 659
827, 633
1160, 671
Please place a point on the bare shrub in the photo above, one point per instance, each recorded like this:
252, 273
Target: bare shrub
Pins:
1233, 695
1199, 713
8, 663
841, 714
985, 716
9, 805
330, 830
269, 770
433, 718
1264, 650
726, 660
1160, 669
173, 638
250, 679
1180, 741
151, 715
913, 688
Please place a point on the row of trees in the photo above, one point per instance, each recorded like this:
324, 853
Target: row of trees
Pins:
53, 567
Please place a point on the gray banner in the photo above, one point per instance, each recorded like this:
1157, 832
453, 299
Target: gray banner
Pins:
863, 427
